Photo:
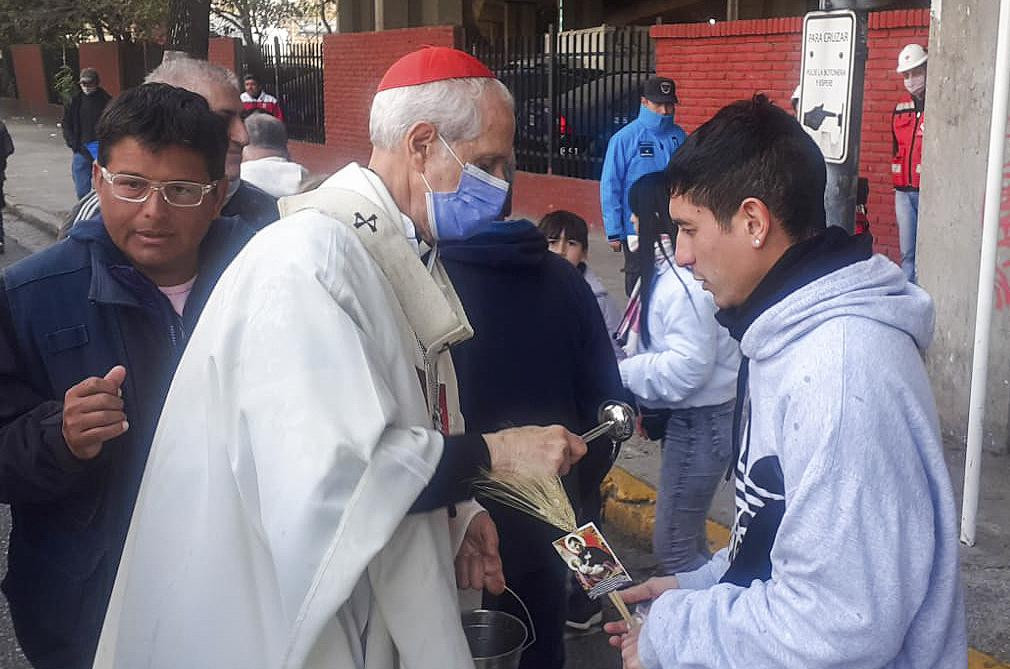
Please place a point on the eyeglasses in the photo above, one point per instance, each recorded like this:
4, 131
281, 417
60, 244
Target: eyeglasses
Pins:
130, 188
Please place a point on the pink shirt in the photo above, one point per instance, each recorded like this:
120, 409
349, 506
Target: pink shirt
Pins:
178, 295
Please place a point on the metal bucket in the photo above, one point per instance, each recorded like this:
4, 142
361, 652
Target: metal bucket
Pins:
497, 639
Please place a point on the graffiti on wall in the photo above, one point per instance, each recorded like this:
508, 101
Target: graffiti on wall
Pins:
1003, 257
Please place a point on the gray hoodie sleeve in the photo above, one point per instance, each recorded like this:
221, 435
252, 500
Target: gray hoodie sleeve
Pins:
857, 556
706, 575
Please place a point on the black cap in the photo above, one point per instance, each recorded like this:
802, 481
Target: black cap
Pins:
90, 75
660, 90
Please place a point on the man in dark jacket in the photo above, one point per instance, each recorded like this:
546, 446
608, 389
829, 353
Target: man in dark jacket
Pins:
79, 121
6, 150
91, 330
540, 355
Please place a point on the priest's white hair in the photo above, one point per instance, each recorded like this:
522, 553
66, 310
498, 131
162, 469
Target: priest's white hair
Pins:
451, 105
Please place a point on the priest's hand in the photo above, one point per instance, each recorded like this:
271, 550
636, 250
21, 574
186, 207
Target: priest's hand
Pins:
536, 451
93, 413
478, 564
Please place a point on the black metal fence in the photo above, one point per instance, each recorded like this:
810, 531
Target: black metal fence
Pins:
572, 92
138, 60
293, 73
8, 82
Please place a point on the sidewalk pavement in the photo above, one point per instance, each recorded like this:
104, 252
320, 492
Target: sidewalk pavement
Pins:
40, 190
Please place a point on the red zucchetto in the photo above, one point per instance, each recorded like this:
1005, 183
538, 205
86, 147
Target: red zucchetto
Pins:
433, 63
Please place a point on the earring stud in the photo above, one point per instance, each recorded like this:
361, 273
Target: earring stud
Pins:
757, 242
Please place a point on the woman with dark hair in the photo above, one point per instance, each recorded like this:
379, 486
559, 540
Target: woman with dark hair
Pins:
682, 367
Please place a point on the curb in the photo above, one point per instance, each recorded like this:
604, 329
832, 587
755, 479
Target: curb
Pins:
629, 504
42, 221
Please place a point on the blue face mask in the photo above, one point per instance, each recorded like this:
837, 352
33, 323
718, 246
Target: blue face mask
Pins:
476, 203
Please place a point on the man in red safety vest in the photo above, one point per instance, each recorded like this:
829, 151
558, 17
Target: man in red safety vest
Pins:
907, 124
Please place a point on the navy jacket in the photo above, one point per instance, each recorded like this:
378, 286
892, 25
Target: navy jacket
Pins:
72, 311
540, 355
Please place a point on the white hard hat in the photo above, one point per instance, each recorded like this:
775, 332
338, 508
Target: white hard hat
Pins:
912, 56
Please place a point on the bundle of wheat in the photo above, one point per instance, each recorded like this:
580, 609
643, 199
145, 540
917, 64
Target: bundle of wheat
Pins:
543, 498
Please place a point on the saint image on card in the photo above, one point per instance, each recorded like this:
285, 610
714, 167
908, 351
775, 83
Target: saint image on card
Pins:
588, 554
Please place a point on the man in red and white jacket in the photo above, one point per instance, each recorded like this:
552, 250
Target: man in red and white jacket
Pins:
907, 123
255, 97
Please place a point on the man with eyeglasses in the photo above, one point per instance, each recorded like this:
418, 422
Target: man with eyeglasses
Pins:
91, 331
221, 90
79, 120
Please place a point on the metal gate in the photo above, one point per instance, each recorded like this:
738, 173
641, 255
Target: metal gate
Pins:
8, 82
572, 92
293, 73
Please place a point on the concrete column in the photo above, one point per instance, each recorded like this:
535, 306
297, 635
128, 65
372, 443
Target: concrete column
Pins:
356, 16
107, 58
390, 14
583, 14
958, 106
442, 12
30, 75
732, 10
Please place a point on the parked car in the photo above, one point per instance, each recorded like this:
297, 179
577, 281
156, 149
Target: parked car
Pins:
528, 78
584, 120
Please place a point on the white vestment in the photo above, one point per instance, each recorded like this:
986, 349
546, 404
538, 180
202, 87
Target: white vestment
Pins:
271, 529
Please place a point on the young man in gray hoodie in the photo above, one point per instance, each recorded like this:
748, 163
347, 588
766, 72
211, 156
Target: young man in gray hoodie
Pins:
844, 550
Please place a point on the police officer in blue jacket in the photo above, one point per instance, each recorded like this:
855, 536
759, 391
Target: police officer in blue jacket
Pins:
643, 146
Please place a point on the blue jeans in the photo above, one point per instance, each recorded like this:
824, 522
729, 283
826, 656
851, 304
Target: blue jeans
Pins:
696, 452
906, 209
81, 169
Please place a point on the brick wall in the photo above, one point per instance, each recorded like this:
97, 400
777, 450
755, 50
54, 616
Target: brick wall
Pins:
31, 77
353, 66
104, 57
316, 158
537, 194
715, 65
224, 51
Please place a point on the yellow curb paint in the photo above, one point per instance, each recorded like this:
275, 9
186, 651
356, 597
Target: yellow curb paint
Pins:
718, 535
628, 488
630, 504
977, 660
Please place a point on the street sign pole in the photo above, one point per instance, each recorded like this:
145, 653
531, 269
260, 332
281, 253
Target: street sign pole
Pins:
831, 99
843, 179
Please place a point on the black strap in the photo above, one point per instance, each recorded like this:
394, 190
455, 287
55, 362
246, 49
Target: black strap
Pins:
742, 398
